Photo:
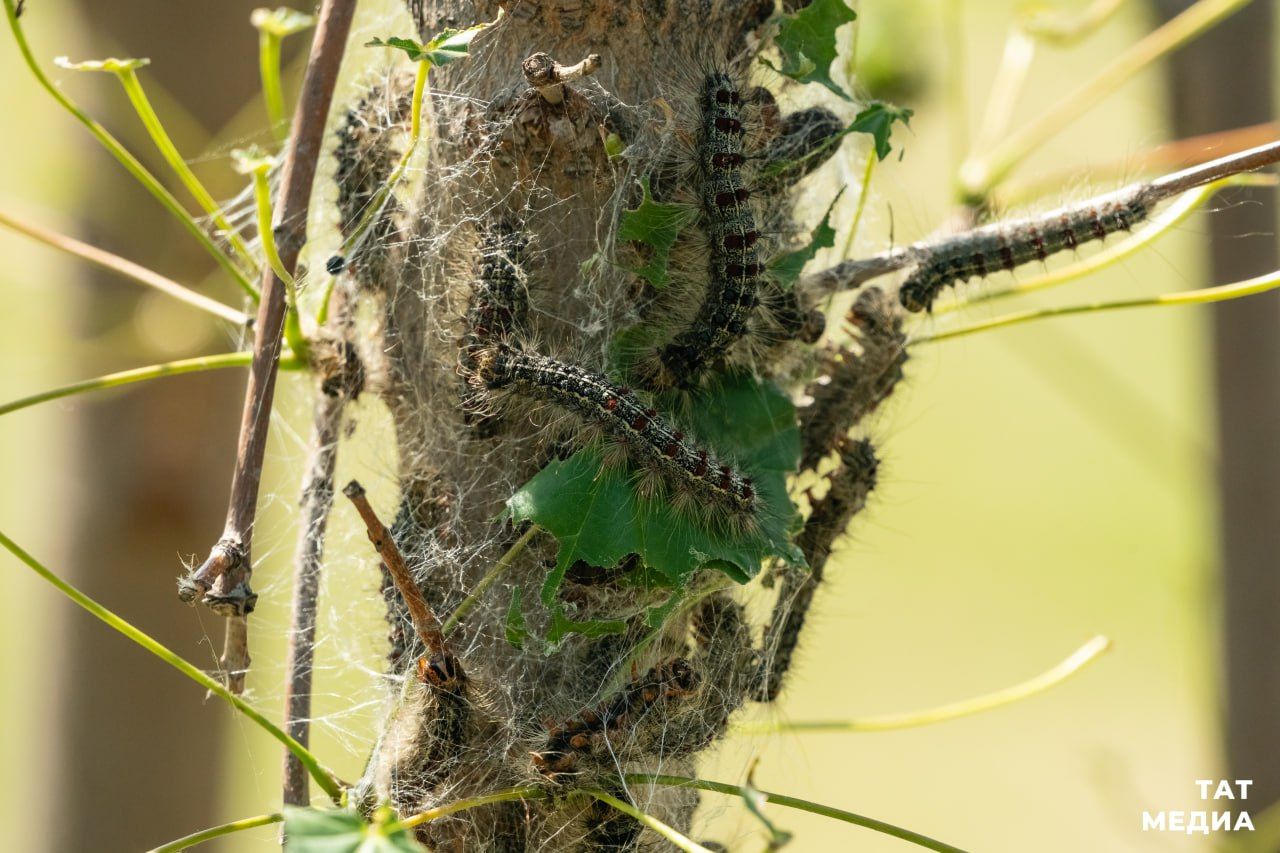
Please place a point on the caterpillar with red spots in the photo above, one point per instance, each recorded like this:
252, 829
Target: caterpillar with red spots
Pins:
735, 271
1007, 245
691, 474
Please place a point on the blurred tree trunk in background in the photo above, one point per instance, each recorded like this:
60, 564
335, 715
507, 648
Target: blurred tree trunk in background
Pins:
137, 748
1222, 81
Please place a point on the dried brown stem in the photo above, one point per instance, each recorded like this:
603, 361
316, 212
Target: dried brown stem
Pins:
439, 667
851, 274
317, 501
224, 583
548, 76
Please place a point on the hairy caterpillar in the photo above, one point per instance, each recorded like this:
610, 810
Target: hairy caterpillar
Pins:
856, 381
849, 486
732, 292
1006, 245
588, 732
692, 473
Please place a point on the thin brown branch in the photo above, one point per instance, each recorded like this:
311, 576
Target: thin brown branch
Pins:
851, 274
317, 501
224, 583
548, 76
439, 667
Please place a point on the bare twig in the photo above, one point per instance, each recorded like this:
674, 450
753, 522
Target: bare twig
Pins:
852, 274
234, 663
223, 580
317, 501
548, 76
439, 667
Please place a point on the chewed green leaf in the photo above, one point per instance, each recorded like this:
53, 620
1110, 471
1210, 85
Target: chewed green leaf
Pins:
657, 225
281, 22
598, 515
345, 831
448, 45
562, 626
787, 268
111, 63
807, 42
878, 120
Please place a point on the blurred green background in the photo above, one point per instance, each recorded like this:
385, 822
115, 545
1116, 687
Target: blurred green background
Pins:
1040, 485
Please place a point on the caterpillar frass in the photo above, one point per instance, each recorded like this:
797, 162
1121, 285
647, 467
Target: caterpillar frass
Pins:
691, 474
732, 292
1007, 245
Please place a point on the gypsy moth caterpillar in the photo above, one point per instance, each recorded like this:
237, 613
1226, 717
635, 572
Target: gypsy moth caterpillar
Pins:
857, 381
1006, 245
588, 732
692, 475
732, 291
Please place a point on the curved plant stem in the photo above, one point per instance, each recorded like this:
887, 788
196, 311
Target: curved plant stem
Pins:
128, 77
1078, 660
125, 267
384, 192
218, 831
1065, 28
323, 776
262, 198
1162, 223
142, 374
1204, 296
272, 91
504, 563
525, 792
131, 164
675, 837
867, 171
979, 175
794, 803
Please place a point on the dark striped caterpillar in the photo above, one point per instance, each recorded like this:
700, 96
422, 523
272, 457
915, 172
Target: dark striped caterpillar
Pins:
1006, 245
856, 381
588, 732
691, 474
732, 293
849, 486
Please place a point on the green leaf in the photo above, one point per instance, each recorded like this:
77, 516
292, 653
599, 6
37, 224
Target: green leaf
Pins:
345, 831
516, 631
657, 225
111, 63
807, 42
562, 626
787, 268
597, 513
281, 22
448, 46
878, 120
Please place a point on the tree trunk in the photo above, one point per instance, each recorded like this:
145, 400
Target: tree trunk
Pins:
520, 185
1220, 82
